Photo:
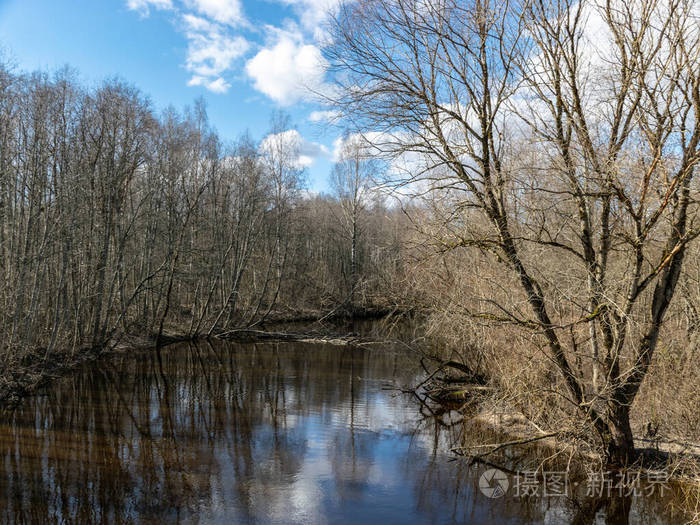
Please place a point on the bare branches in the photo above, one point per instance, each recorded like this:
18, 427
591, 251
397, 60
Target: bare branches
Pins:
570, 128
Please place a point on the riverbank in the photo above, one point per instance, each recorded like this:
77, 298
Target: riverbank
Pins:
22, 377
496, 433
38, 368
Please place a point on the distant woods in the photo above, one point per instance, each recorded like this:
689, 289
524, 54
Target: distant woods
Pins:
115, 219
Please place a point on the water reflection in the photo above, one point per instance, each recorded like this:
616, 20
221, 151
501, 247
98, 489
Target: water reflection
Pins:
273, 433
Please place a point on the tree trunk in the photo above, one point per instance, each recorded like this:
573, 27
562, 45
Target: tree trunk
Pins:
620, 446
353, 265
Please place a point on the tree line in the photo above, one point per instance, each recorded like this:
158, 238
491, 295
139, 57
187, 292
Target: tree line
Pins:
117, 219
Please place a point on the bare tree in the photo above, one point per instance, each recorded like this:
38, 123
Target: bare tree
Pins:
535, 147
280, 152
115, 220
351, 182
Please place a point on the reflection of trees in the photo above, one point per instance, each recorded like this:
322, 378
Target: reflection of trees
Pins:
152, 437
450, 488
447, 491
179, 433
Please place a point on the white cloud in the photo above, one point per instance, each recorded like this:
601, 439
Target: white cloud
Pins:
371, 144
218, 85
324, 116
223, 11
313, 15
197, 23
403, 175
211, 48
304, 152
211, 52
143, 6
288, 70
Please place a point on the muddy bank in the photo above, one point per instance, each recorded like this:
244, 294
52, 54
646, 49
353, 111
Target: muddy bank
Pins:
249, 335
36, 369
337, 315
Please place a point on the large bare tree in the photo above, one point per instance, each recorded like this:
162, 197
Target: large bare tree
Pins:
562, 128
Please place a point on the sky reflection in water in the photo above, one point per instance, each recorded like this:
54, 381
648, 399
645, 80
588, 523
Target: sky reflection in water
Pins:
245, 433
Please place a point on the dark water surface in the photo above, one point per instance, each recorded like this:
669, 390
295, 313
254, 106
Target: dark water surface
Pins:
254, 433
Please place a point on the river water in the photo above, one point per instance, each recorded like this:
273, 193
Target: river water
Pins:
257, 433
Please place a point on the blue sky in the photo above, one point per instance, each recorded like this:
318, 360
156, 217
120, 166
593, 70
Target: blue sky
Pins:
245, 57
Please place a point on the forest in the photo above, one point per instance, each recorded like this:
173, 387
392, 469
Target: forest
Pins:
533, 212
117, 220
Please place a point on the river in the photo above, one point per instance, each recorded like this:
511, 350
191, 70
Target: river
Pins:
258, 433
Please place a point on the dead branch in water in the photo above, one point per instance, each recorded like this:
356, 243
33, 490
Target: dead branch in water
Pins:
245, 334
500, 446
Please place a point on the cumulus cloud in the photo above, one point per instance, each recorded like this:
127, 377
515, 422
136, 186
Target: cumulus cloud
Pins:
403, 175
324, 116
303, 152
223, 11
291, 66
211, 52
371, 144
288, 70
217, 85
310, 151
287, 66
313, 15
212, 49
198, 24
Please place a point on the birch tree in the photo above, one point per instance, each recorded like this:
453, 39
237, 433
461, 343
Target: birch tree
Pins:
351, 180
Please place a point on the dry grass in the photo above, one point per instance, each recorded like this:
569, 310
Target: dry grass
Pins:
463, 325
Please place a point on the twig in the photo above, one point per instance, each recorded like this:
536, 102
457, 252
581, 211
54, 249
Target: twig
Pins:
499, 446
